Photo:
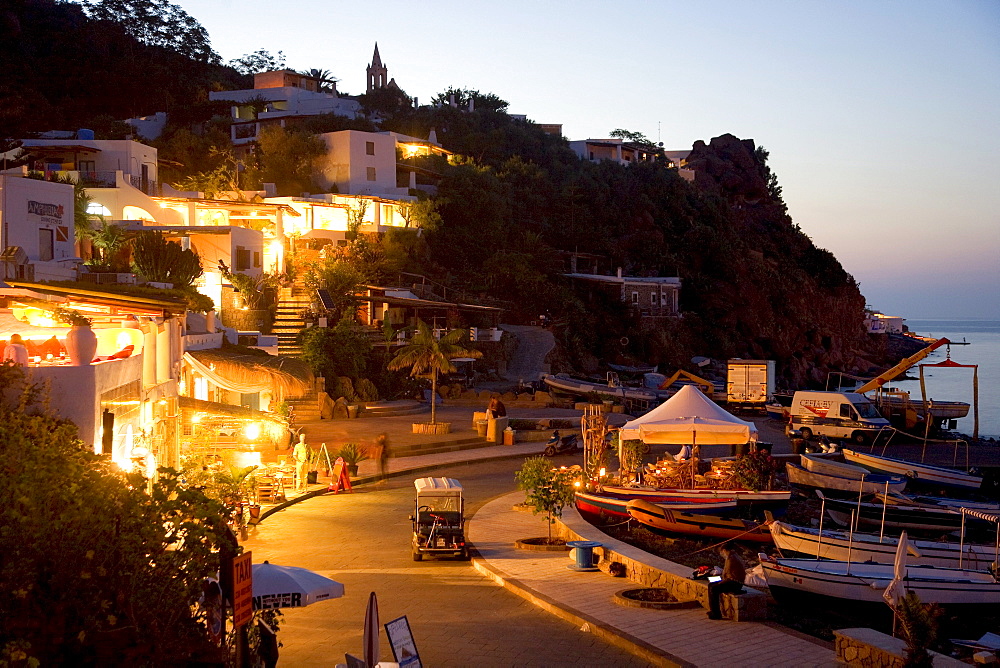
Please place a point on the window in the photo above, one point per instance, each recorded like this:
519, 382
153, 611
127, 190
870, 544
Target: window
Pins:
652, 298
45, 252
242, 258
369, 148
256, 258
635, 298
371, 173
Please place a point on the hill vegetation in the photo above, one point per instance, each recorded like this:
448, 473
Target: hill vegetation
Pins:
508, 211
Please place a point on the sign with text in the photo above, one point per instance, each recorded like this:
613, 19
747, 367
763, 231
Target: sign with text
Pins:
242, 589
404, 650
340, 480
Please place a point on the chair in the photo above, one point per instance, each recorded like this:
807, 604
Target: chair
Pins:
267, 488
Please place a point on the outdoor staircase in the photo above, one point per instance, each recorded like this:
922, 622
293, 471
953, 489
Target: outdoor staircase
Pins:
287, 322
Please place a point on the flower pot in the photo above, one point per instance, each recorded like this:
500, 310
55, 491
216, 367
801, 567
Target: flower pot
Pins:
312, 477
352, 470
81, 345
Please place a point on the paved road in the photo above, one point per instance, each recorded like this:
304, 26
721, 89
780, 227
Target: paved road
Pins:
458, 617
533, 344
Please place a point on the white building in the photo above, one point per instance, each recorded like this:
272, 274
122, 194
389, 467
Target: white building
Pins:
95, 162
36, 230
878, 323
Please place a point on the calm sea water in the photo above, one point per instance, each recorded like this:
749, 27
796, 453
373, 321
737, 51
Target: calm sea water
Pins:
949, 384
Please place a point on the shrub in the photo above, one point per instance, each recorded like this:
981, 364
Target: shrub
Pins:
516, 423
163, 261
547, 489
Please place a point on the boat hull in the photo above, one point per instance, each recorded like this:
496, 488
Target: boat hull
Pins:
871, 485
841, 546
597, 504
934, 475
743, 496
667, 520
865, 583
895, 517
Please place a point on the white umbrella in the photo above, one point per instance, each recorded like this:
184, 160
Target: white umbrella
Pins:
290, 587
371, 632
896, 590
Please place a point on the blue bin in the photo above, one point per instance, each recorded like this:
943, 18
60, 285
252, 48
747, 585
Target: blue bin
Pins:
584, 554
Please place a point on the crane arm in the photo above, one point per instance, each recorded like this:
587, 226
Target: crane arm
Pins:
886, 376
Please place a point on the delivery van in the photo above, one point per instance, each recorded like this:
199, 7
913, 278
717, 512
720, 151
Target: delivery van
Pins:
845, 415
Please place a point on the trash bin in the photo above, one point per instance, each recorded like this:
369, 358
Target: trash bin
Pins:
508, 436
481, 426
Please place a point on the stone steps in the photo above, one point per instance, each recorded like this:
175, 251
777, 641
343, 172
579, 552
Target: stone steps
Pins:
440, 446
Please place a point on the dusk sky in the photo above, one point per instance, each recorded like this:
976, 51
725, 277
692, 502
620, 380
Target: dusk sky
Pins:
882, 118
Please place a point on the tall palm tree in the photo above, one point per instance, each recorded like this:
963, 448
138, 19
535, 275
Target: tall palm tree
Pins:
425, 353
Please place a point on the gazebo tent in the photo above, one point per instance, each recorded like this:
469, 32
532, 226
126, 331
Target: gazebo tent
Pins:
689, 417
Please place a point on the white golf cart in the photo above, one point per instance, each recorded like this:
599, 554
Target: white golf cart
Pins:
438, 522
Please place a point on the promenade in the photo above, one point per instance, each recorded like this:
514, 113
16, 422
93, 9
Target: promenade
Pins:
653, 637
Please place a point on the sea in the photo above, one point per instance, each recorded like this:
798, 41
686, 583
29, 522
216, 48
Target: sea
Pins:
955, 384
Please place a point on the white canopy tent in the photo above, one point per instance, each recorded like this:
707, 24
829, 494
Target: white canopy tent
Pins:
689, 417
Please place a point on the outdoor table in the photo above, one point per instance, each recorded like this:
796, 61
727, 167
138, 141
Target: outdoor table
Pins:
584, 554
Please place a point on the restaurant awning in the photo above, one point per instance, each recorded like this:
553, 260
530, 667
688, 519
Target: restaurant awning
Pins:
248, 374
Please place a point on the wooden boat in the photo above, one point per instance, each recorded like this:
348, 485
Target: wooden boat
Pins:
660, 518
900, 499
895, 517
829, 466
935, 475
660, 495
872, 484
567, 385
596, 504
865, 583
841, 546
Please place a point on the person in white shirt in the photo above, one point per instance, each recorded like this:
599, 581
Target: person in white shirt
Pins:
15, 351
684, 454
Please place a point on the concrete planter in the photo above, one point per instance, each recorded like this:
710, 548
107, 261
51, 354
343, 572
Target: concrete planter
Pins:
428, 428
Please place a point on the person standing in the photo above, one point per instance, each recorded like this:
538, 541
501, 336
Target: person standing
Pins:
734, 573
382, 446
15, 351
301, 456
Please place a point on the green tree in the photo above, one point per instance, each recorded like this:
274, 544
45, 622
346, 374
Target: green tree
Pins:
260, 60
156, 23
99, 567
163, 261
287, 158
425, 353
546, 489
341, 278
338, 351
108, 241
325, 79
627, 135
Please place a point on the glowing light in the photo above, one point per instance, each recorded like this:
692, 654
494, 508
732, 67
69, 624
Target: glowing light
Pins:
196, 418
123, 340
576, 483
252, 431
603, 472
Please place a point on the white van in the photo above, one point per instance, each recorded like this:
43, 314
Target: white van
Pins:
836, 415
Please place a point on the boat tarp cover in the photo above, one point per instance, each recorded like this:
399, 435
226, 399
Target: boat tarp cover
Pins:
689, 417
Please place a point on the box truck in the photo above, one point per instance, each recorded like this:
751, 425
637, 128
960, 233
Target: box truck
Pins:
847, 415
749, 381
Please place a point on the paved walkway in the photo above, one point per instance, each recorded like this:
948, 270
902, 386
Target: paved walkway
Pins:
533, 344
673, 638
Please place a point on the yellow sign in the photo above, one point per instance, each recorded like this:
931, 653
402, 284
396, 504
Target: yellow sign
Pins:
242, 589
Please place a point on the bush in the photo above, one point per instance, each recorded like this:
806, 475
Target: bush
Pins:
163, 261
547, 489
366, 390
516, 423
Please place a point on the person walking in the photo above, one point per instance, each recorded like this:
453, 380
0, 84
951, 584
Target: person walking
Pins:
383, 453
15, 351
301, 457
734, 573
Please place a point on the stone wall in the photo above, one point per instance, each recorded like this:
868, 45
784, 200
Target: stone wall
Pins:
869, 648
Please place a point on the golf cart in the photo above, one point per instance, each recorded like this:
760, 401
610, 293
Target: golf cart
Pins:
438, 523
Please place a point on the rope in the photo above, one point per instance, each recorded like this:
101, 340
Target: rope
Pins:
723, 542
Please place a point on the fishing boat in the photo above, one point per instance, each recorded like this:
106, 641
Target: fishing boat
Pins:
892, 516
596, 504
818, 464
900, 499
745, 497
665, 519
566, 385
935, 475
844, 546
871, 484
855, 583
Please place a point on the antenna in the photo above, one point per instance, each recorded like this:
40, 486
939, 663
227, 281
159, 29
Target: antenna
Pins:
658, 138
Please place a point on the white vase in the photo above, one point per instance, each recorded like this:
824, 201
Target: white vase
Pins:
81, 345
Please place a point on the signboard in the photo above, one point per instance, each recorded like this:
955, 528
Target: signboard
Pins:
242, 589
404, 650
340, 479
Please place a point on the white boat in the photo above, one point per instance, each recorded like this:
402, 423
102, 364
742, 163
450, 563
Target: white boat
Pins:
865, 583
567, 385
829, 466
935, 475
872, 483
841, 546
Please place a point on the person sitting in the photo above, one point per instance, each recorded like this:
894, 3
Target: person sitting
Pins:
734, 573
15, 351
684, 454
496, 409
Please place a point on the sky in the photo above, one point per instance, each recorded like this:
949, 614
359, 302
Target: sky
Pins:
882, 118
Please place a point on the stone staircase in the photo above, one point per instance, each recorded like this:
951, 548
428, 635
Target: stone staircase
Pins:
391, 408
287, 322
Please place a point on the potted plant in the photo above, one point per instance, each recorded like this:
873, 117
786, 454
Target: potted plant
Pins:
352, 454
81, 341
312, 468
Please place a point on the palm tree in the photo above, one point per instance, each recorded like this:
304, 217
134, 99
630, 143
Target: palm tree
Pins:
425, 353
325, 78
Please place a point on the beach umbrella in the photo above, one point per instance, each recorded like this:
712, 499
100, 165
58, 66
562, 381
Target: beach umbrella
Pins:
896, 590
371, 632
290, 587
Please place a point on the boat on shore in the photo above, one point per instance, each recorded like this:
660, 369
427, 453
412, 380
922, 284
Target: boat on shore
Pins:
871, 484
853, 583
745, 497
663, 519
934, 475
596, 504
860, 547
563, 383
892, 516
